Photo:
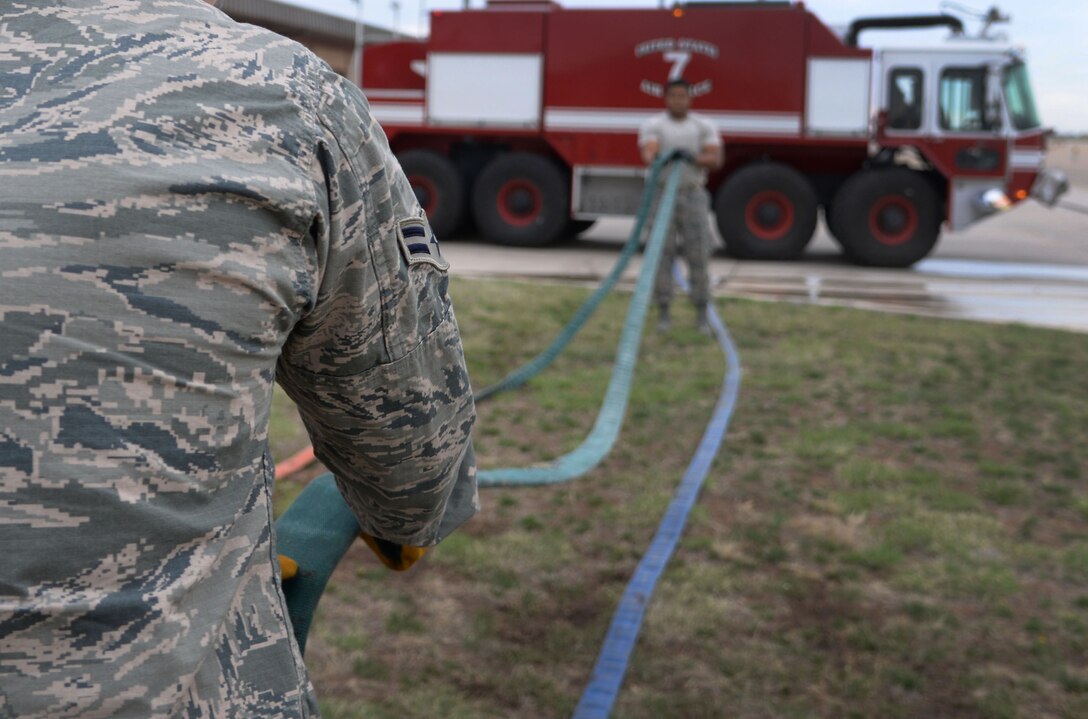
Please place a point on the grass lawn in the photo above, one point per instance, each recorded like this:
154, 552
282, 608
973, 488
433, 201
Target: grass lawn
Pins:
896, 526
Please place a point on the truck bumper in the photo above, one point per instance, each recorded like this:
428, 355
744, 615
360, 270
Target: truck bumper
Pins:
1049, 186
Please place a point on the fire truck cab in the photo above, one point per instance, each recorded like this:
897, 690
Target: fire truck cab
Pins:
968, 107
524, 116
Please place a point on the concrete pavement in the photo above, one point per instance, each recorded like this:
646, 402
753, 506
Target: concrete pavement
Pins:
1029, 265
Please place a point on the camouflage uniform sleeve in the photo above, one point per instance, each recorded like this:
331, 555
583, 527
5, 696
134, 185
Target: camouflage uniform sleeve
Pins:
376, 365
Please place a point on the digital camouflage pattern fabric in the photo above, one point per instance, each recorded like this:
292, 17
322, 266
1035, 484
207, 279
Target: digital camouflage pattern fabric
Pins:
690, 238
191, 209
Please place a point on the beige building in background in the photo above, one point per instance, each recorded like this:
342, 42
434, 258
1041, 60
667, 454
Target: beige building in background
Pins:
330, 37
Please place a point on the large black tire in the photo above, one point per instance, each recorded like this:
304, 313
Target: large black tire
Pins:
766, 211
438, 188
521, 199
887, 217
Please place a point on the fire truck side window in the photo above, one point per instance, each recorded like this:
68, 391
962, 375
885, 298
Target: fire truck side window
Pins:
962, 100
905, 99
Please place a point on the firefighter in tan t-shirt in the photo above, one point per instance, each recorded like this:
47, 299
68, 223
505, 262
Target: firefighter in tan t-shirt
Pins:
679, 130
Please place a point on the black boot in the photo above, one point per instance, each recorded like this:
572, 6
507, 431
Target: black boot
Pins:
701, 322
664, 322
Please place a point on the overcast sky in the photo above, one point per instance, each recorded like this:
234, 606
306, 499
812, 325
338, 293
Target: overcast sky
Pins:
1054, 34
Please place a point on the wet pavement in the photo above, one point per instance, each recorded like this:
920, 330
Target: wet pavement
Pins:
936, 289
1029, 265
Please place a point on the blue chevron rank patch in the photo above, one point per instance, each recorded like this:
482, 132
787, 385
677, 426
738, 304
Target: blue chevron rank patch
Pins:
418, 243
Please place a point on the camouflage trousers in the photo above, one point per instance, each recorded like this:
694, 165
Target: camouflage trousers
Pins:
689, 237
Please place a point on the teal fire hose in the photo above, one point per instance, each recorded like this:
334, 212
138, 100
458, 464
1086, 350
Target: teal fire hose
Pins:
318, 528
610, 417
315, 531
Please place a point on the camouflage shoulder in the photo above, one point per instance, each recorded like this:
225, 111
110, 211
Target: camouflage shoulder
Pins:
297, 66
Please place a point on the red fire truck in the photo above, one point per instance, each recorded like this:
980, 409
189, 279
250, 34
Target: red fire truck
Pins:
525, 115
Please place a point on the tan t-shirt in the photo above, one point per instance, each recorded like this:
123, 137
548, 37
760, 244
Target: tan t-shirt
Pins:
693, 133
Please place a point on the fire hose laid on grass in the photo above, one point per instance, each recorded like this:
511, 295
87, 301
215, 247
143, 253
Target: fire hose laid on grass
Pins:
602, 437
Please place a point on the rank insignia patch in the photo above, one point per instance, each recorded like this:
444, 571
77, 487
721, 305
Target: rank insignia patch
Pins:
418, 243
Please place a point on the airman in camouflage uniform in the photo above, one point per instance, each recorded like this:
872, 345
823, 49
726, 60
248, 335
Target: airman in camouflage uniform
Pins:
189, 209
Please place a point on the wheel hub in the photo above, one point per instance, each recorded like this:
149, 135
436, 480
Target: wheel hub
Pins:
769, 215
892, 220
520, 201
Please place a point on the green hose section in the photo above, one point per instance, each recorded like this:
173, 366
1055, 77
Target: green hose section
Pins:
315, 531
539, 363
610, 417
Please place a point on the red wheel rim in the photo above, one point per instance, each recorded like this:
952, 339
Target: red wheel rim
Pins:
893, 220
426, 192
519, 202
769, 215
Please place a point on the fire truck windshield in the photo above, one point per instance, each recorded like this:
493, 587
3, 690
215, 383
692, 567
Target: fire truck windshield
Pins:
1019, 98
